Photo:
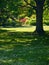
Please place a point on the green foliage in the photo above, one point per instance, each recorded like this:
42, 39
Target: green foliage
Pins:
15, 8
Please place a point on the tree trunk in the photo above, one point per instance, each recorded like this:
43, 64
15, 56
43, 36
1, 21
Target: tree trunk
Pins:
39, 19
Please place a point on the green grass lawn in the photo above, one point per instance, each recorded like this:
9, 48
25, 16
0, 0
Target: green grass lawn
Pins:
23, 48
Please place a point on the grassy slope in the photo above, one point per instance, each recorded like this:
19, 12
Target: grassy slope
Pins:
23, 48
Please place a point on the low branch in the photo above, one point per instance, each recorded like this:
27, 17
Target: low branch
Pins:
34, 7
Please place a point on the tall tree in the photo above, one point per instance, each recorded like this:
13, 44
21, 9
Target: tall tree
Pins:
39, 14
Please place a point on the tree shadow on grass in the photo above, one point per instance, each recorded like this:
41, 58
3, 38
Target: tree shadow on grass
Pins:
1, 31
23, 48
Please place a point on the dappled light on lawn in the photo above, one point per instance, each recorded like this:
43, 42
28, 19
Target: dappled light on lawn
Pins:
23, 48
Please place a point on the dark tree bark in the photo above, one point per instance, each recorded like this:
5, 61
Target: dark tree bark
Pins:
39, 16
